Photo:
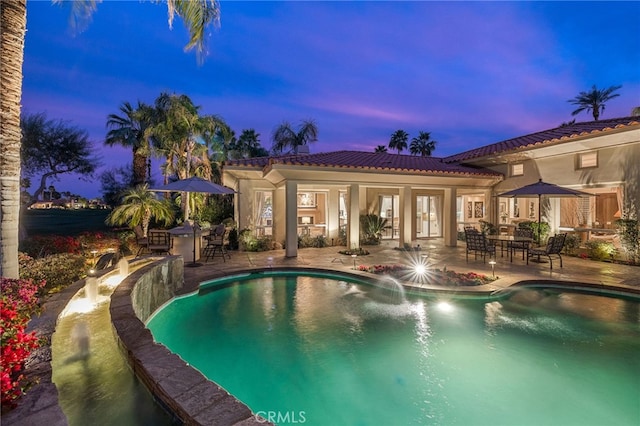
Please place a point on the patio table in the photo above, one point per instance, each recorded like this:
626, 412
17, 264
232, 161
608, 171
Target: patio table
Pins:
509, 238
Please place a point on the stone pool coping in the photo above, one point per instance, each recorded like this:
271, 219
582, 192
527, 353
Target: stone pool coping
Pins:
181, 389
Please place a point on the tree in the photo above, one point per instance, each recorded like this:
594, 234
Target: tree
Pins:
285, 137
182, 136
197, 16
635, 112
52, 147
247, 146
113, 183
139, 205
422, 144
128, 130
380, 148
594, 100
399, 140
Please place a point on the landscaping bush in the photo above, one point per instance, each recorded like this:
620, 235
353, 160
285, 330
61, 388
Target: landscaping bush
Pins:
249, 242
58, 270
571, 244
18, 302
371, 229
432, 276
600, 250
318, 241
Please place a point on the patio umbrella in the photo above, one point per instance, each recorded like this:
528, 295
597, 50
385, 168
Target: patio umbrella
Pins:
194, 184
540, 188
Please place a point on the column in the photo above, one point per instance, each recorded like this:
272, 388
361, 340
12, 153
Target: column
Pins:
449, 222
353, 232
291, 219
406, 216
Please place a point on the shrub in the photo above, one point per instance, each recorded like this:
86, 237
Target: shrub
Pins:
318, 241
372, 228
18, 302
249, 242
58, 270
488, 228
600, 250
433, 276
571, 243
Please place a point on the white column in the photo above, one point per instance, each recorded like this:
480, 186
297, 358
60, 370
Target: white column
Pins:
291, 215
554, 215
353, 234
333, 214
490, 207
449, 223
406, 216
278, 215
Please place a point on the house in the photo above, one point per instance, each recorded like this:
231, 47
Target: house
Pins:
430, 197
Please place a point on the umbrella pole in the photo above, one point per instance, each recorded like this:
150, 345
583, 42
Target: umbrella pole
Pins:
195, 229
539, 217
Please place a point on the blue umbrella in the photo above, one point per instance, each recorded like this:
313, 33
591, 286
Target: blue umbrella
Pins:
540, 188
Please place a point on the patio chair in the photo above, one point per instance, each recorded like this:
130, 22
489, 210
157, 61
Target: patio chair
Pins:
554, 247
215, 243
141, 240
478, 244
514, 246
159, 241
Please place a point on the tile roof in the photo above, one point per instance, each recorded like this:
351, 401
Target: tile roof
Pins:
367, 161
552, 136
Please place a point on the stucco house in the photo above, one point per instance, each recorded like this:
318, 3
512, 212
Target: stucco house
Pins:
432, 197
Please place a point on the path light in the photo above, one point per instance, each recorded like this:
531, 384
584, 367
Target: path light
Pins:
270, 262
94, 253
493, 268
354, 260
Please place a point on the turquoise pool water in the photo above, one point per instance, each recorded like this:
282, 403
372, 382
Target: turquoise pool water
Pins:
319, 351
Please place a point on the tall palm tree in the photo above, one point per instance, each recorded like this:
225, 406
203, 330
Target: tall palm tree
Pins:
197, 16
399, 140
285, 137
247, 146
182, 136
422, 145
128, 130
594, 100
139, 205
380, 148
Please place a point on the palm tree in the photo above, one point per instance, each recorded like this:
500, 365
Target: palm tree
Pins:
594, 100
423, 144
635, 112
285, 137
128, 130
399, 140
380, 148
139, 205
182, 136
247, 146
197, 16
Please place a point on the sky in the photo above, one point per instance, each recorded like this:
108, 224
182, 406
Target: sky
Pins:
470, 73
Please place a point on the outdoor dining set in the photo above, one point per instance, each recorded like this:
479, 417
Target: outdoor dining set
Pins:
522, 240
205, 243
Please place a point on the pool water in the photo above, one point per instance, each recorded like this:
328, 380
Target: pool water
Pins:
323, 351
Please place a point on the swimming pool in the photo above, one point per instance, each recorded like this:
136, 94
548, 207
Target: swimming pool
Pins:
327, 350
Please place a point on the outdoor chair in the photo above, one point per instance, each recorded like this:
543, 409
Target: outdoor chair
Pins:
159, 241
215, 243
554, 247
478, 244
141, 240
514, 246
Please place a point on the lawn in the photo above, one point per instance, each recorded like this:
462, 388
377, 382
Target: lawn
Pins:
63, 222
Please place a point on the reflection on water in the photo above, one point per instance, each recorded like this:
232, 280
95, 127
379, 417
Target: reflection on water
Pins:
289, 343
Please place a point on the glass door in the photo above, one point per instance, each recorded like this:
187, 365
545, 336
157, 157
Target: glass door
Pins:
428, 216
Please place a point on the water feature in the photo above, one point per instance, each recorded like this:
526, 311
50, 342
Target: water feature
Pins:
332, 351
94, 382
388, 290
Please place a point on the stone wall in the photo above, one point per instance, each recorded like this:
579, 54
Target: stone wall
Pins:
184, 391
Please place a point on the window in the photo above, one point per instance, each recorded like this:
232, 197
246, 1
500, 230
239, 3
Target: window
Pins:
587, 160
517, 169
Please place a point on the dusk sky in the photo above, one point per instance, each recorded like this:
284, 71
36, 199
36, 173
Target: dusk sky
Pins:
471, 73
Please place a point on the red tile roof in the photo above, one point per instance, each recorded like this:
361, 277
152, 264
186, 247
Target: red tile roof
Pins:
367, 161
559, 134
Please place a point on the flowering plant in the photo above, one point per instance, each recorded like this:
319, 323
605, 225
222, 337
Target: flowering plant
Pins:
433, 276
18, 302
